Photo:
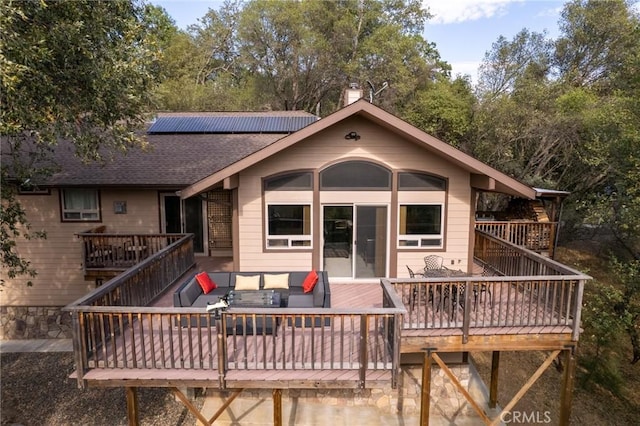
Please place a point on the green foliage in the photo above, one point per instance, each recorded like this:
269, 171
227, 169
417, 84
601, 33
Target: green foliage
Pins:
299, 55
443, 109
564, 114
609, 313
597, 39
76, 70
628, 307
599, 354
527, 55
14, 224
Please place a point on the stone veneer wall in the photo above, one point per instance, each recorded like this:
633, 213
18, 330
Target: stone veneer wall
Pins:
34, 322
446, 400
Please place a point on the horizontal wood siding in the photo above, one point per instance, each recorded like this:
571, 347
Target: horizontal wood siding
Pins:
58, 258
376, 144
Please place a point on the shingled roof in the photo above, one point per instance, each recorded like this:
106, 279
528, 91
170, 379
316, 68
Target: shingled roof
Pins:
171, 160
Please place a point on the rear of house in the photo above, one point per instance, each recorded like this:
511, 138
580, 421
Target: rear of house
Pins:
359, 209
360, 194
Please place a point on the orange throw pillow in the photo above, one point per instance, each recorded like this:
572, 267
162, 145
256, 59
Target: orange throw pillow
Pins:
205, 282
310, 282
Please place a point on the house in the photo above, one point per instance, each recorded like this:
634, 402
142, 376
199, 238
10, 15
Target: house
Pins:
360, 194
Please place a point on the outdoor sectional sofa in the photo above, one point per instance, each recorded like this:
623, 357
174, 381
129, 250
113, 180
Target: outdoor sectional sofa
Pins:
190, 294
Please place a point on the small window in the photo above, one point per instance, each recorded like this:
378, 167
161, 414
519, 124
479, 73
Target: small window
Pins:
420, 226
412, 181
80, 205
33, 190
289, 226
355, 175
299, 181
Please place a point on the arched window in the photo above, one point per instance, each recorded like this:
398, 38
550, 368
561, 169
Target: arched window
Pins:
295, 181
355, 175
415, 181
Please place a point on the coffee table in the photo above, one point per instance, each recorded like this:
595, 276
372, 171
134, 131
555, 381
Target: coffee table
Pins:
253, 299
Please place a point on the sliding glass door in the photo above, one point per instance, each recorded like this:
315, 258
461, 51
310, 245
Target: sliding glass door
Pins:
355, 241
178, 216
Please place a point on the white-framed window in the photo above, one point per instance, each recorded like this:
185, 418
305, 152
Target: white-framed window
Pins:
288, 226
79, 204
420, 226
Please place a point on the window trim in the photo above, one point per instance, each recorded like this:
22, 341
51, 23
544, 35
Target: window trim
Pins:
290, 239
418, 238
97, 210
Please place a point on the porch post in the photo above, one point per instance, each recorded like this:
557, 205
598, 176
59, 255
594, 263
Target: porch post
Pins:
493, 387
277, 407
132, 406
425, 396
567, 386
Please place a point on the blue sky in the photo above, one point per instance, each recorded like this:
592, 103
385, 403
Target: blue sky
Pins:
463, 30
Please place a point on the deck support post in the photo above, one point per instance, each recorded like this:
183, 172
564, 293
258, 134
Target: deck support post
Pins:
493, 387
221, 323
132, 406
567, 386
277, 407
425, 396
364, 330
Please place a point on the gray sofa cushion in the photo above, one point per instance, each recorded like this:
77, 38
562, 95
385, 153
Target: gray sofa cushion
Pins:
211, 297
221, 279
297, 278
190, 293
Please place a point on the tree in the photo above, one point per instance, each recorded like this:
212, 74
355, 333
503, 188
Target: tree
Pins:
566, 114
508, 61
560, 113
75, 70
302, 55
443, 109
597, 38
517, 127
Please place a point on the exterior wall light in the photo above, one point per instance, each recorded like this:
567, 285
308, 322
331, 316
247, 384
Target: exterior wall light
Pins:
352, 135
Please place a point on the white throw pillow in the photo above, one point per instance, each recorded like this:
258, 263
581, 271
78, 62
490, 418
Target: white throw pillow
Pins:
276, 281
247, 282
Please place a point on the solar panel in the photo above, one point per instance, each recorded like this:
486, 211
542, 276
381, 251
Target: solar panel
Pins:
230, 124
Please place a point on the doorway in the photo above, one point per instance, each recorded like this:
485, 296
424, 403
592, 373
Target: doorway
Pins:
184, 216
355, 241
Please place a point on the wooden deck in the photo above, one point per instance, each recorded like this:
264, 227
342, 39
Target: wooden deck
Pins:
154, 350
129, 332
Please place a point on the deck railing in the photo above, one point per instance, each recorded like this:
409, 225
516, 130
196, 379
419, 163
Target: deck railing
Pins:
140, 284
535, 236
505, 258
102, 250
519, 289
99, 316
472, 303
120, 337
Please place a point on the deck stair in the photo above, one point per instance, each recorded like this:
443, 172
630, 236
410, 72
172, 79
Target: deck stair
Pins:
539, 211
